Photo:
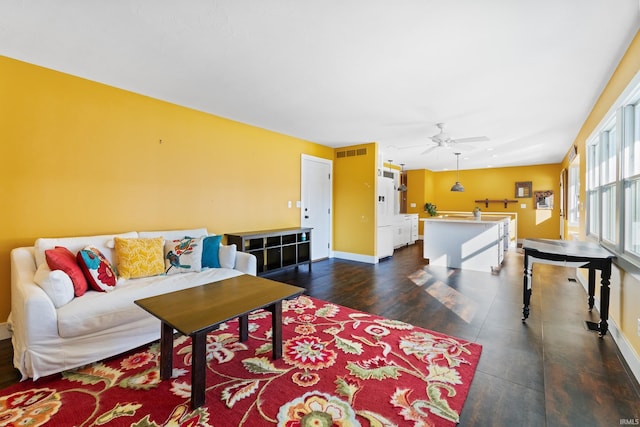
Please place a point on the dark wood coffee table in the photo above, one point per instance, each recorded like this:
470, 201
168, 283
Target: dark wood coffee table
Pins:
199, 310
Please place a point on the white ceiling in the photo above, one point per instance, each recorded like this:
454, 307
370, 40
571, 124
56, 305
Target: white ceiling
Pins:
340, 72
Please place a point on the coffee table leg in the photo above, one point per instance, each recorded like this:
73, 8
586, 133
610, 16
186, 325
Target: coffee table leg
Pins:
276, 329
243, 325
198, 371
166, 351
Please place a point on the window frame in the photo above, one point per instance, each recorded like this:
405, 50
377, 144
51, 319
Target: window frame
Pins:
607, 176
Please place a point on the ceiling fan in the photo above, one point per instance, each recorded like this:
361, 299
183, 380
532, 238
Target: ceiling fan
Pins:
443, 140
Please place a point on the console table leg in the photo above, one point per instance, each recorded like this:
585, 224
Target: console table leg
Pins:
526, 288
166, 351
198, 371
605, 275
592, 288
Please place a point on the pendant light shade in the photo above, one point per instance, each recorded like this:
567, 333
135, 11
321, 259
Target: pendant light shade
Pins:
457, 186
402, 187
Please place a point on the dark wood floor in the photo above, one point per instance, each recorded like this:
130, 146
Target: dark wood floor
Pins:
550, 371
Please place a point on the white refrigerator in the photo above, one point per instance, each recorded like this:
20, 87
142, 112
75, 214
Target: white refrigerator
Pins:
386, 199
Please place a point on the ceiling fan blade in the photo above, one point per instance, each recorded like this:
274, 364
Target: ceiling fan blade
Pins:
472, 139
428, 150
409, 146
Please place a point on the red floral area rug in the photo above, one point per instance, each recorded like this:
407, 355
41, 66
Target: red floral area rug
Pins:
340, 367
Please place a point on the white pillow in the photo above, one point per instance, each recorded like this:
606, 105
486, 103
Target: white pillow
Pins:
57, 284
227, 255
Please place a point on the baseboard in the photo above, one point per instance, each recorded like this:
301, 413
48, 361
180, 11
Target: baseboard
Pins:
356, 257
4, 331
628, 353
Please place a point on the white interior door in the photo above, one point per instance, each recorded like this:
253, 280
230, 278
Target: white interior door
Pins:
316, 198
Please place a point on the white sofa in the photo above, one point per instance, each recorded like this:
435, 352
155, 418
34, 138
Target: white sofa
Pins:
95, 325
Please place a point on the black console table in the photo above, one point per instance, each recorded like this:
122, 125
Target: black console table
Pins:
570, 253
275, 249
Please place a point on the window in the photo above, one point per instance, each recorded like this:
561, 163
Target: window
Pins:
631, 180
609, 174
574, 195
613, 177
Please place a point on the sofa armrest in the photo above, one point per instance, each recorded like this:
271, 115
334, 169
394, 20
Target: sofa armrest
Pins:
246, 263
33, 316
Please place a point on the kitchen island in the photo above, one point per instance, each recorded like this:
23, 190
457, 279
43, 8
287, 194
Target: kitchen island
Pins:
466, 242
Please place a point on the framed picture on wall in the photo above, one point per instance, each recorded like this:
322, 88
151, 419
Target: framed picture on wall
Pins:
523, 189
544, 199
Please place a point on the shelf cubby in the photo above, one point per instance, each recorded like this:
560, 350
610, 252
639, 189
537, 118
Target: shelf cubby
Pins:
275, 249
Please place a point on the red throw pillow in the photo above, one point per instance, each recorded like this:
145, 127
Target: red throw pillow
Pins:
61, 258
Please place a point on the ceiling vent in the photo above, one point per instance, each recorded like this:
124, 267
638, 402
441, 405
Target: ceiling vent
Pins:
351, 153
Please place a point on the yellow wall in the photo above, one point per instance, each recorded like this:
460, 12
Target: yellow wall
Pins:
78, 157
494, 183
419, 190
625, 288
354, 201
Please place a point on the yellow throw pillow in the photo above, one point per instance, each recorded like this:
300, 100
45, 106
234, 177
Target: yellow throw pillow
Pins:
139, 257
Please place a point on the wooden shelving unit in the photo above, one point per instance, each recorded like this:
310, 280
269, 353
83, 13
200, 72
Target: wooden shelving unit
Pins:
275, 249
487, 201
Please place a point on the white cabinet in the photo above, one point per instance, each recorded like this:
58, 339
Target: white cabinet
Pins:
414, 228
405, 230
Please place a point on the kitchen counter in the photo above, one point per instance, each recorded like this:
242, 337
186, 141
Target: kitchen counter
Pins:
468, 218
466, 242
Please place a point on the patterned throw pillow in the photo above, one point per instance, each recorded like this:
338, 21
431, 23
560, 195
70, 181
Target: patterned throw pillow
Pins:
139, 257
97, 269
61, 258
183, 255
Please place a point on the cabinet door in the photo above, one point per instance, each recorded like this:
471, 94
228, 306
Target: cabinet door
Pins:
385, 241
414, 229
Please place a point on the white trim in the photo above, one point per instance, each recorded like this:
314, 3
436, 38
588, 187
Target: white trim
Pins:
5, 334
628, 353
628, 96
370, 259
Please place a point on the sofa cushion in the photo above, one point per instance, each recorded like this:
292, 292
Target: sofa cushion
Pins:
183, 255
210, 249
98, 311
61, 258
139, 257
97, 269
56, 284
103, 242
174, 234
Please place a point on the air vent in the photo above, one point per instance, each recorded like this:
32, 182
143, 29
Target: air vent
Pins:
351, 153
388, 174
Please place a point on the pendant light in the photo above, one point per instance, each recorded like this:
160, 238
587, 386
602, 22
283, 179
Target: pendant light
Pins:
402, 187
457, 186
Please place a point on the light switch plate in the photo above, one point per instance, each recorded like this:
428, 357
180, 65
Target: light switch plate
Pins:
413, 205
523, 205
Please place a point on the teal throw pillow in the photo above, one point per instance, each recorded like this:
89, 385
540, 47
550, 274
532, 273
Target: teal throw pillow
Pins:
210, 247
